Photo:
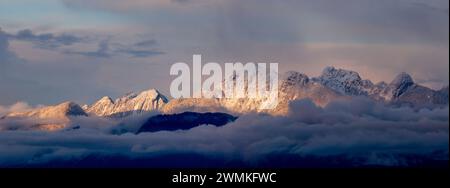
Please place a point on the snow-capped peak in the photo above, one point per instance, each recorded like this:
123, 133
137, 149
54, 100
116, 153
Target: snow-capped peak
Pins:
130, 103
343, 81
340, 74
153, 94
294, 78
402, 79
400, 84
106, 99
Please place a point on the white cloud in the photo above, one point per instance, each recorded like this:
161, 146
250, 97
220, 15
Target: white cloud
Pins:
17, 107
358, 131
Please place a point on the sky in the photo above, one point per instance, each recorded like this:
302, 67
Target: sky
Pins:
80, 50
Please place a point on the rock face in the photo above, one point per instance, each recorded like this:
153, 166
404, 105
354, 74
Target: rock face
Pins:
185, 121
403, 90
129, 104
400, 84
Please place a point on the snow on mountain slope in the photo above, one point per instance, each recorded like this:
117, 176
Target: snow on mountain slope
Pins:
132, 103
60, 111
292, 86
401, 90
195, 105
332, 84
227, 105
414, 95
49, 118
345, 82
400, 84
295, 85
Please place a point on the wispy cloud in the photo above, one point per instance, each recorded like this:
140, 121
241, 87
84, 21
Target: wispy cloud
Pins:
17, 107
103, 51
434, 5
145, 48
139, 53
47, 40
146, 43
107, 49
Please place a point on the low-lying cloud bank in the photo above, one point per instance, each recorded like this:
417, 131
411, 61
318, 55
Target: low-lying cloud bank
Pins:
359, 132
16, 107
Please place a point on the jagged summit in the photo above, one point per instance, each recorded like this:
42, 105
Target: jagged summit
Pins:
402, 79
106, 99
400, 84
331, 72
343, 81
293, 77
71, 109
130, 103
333, 84
152, 93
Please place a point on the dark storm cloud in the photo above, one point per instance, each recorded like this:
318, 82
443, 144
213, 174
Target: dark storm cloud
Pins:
47, 40
370, 132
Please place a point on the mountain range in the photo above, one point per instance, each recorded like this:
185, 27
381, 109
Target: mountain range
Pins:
333, 84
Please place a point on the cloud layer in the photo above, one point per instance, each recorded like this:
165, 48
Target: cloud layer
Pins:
358, 132
17, 107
